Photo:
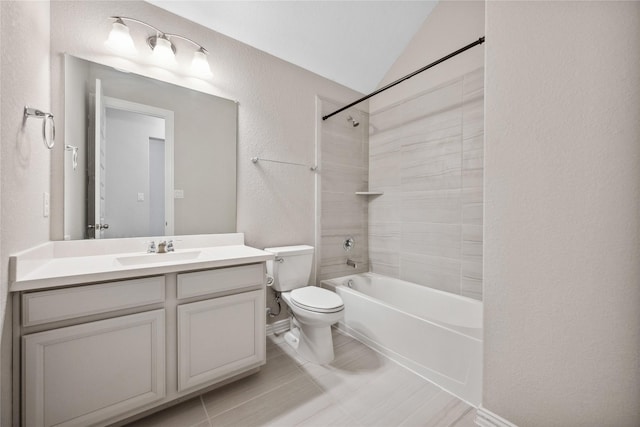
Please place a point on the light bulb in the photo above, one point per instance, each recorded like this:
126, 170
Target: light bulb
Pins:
120, 40
200, 66
163, 51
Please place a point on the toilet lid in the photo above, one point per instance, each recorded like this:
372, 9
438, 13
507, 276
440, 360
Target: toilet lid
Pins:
316, 299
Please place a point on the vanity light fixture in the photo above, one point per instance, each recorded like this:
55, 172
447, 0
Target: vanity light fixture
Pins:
164, 51
200, 65
120, 40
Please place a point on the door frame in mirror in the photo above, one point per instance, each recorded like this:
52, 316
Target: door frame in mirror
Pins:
168, 116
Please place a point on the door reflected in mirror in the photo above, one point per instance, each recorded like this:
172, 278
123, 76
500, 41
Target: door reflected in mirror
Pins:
130, 193
153, 159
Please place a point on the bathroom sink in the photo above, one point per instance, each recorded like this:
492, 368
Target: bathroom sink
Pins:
157, 258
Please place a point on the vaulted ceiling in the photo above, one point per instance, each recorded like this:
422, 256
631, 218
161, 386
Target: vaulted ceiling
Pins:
353, 43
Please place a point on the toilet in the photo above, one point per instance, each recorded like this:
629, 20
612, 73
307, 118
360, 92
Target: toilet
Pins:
314, 309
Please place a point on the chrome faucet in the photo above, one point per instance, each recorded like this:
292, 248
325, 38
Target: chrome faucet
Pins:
162, 247
352, 263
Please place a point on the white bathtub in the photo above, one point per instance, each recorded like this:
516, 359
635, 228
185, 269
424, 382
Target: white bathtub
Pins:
436, 334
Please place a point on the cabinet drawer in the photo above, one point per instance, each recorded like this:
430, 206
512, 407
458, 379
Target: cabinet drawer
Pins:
69, 303
219, 280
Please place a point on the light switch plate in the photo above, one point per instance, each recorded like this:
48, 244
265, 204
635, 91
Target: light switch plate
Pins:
178, 194
141, 197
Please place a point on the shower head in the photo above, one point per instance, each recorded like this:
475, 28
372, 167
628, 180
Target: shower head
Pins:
353, 121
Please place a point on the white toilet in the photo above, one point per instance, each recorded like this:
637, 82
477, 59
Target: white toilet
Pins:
314, 309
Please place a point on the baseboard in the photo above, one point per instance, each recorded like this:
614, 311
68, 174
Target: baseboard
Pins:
486, 418
278, 327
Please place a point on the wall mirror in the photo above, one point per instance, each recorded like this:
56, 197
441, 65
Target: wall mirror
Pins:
145, 157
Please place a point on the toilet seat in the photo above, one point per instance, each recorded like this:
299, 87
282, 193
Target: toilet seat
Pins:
316, 299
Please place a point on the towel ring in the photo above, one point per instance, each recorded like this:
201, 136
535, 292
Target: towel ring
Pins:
46, 117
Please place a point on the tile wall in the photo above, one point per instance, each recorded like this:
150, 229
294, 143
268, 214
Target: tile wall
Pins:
426, 155
344, 158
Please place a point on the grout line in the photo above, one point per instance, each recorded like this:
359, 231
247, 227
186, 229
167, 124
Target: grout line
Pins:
205, 409
324, 392
255, 397
426, 402
464, 414
334, 400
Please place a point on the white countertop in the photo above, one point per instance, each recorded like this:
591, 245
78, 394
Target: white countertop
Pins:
55, 264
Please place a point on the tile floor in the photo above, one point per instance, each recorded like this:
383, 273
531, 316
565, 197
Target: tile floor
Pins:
359, 388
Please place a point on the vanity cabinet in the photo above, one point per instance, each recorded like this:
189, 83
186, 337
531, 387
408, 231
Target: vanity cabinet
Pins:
98, 353
219, 336
222, 335
81, 375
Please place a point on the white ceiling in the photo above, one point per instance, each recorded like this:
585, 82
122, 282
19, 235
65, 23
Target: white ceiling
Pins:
351, 42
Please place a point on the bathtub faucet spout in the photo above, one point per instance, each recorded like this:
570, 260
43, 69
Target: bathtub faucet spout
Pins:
352, 263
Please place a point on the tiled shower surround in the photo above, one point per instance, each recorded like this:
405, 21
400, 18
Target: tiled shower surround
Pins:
426, 155
344, 158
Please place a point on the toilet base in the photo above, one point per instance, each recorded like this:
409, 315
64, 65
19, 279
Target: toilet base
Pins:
314, 344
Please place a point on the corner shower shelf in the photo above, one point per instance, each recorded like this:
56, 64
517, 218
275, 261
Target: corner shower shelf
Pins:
369, 193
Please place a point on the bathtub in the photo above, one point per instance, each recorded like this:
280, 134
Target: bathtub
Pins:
436, 334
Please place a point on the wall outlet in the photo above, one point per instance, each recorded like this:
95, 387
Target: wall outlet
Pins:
141, 197
46, 205
178, 194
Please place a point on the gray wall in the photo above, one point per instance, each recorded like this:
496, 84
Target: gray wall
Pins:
25, 162
562, 223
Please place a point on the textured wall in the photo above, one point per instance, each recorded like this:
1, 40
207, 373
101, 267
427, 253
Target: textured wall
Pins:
344, 166
25, 167
426, 156
25, 159
562, 223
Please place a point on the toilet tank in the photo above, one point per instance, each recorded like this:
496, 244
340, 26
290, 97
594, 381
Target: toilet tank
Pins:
292, 267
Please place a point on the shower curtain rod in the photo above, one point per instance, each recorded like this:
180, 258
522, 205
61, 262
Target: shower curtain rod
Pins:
408, 76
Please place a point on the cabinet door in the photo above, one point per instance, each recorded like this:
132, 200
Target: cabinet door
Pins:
84, 374
220, 337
